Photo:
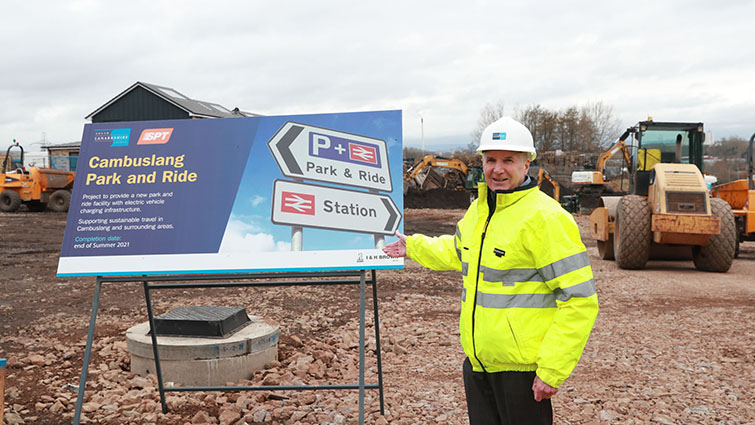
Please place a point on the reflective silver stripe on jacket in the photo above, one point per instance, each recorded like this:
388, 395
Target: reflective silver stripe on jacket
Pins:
565, 265
551, 271
464, 268
516, 300
456, 247
582, 290
511, 276
463, 294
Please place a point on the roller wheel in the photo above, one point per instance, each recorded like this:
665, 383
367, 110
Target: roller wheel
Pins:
60, 200
605, 248
632, 232
9, 201
718, 254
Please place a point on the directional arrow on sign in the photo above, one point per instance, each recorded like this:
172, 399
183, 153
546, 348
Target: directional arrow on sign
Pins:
308, 205
308, 152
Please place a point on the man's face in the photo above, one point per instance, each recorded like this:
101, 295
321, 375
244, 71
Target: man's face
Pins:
504, 170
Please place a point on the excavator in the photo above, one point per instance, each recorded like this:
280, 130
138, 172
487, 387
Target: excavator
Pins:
592, 184
568, 202
542, 176
422, 176
38, 188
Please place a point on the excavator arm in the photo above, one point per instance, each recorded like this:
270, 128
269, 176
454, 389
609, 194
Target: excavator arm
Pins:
544, 175
621, 145
433, 161
597, 176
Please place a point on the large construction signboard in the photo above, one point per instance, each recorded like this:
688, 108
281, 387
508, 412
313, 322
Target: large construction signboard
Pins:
304, 192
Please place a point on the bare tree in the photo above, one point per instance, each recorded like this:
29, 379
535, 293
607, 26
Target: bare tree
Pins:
606, 126
542, 123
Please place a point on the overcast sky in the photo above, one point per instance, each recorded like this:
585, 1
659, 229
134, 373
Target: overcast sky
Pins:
674, 60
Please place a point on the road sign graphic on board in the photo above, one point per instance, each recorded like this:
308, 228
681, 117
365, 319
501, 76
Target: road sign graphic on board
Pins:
297, 203
300, 204
308, 152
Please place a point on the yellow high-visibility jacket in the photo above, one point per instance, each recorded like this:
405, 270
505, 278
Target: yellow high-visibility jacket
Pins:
528, 301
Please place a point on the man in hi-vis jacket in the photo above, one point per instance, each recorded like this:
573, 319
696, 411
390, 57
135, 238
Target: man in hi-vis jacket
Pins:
528, 301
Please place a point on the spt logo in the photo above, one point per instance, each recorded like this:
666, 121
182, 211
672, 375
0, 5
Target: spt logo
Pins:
155, 136
499, 136
298, 203
341, 149
116, 136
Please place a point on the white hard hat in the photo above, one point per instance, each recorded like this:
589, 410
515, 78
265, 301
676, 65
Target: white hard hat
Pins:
507, 134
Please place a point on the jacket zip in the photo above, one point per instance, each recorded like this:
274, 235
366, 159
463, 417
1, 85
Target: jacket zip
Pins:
477, 282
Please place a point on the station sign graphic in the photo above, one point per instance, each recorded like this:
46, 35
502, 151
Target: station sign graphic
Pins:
299, 204
225, 195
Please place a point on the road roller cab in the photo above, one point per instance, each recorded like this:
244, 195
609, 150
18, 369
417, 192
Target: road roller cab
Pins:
668, 213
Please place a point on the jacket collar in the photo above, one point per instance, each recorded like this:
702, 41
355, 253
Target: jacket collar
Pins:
505, 198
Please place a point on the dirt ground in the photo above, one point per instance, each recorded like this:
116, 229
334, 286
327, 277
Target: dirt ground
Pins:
671, 345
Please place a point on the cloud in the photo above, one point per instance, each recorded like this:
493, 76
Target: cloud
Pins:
445, 61
361, 240
257, 200
243, 236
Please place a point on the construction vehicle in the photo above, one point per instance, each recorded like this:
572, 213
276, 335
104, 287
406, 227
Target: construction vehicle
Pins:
596, 181
542, 176
591, 184
740, 195
668, 212
568, 202
421, 175
38, 188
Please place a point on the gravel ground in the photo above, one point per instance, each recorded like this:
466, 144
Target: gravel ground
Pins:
671, 345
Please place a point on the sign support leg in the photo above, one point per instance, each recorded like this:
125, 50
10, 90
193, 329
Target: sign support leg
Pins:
153, 334
377, 341
361, 346
87, 352
296, 238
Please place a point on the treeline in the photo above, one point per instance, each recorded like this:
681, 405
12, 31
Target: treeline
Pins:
589, 128
727, 147
586, 129
727, 158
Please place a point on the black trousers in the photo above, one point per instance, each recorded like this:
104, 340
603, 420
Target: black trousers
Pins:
504, 398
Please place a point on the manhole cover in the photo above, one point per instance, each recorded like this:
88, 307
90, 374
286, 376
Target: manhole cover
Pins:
201, 321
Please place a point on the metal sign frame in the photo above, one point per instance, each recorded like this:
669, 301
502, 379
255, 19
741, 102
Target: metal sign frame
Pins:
357, 277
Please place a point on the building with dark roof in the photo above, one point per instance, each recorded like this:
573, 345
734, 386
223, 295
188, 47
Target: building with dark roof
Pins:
147, 102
